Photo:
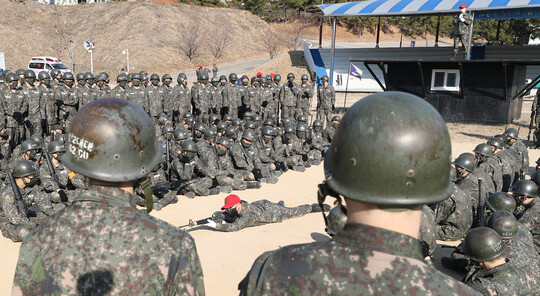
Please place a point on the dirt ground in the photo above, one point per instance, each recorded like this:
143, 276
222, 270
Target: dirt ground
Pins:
226, 257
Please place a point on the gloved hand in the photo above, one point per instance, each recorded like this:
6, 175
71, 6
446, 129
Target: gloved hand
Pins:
461, 18
210, 223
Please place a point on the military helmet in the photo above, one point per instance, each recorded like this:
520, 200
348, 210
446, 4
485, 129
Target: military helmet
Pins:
203, 77
336, 220
233, 77
268, 131
210, 133
501, 201
289, 129
200, 127
244, 77
224, 141
221, 77
166, 76
254, 79
68, 76
504, 223
29, 74
536, 177
525, 188
290, 75
277, 78
142, 73
269, 78
302, 118
466, 161
183, 75
249, 135
256, 118
54, 73
180, 134
496, 142
180, 79
129, 77
28, 145
19, 72
214, 79
80, 76
221, 126
268, 122
247, 115
213, 118
304, 77
88, 75
236, 122
227, 117
23, 168
336, 118
113, 140
190, 146
324, 78
135, 76
5, 73
100, 77
154, 76
230, 131
43, 75
56, 147
301, 127
11, 77
317, 122
144, 77
167, 129
121, 77
483, 149
249, 125
483, 244
511, 132
105, 74
412, 132
38, 139
288, 120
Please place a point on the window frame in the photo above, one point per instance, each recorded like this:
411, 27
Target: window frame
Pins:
445, 87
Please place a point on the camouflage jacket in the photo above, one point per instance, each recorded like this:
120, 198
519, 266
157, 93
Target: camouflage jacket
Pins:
504, 279
524, 257
86, 95
232, 96
326, 97
118, 92
530, 217
137, 96
15, 107
360, 260
35, 108
103, 243
262, 212
181, 98
48, 104
289, 94
427, 231
305, 94
453, 216
493, 169
67, 101
154, 97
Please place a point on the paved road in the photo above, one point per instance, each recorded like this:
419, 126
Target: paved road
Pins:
239, 68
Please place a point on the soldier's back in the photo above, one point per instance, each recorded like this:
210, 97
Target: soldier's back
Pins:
103, 238
360, 260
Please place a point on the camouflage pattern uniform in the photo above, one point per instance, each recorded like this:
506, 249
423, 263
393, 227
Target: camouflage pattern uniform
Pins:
263, 212
154, 97
453, 216
200, 96
67, 103
48, 107
326, 99
530, 217
122, 237
86, 95
15, 108
35, 110
273, 104
181, 102
504, 279
360, 260
493, 169
118, 92
232, 99
168, 104
252, 100
427, 231
13, 224
195, 173
305, 94
288, 97
216, 99
508, 162
522, 155
524, 257
137, 95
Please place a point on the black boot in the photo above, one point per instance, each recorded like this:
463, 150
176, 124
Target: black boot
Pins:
253, 185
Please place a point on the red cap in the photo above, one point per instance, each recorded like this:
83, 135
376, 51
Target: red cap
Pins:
230, 201
199, 66
463, 6
272, 74
259, 74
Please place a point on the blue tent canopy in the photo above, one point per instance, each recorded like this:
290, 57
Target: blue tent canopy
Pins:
483, 9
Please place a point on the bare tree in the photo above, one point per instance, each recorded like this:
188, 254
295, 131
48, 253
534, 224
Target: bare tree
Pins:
298, 29
191, 39
219, 41
271, 41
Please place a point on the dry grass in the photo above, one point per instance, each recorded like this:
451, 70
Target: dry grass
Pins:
150, 30
288, 62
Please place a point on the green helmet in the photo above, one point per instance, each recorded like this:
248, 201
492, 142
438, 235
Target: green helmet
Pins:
317, 123
55, 73
200, 127
167, 129
10, 77
221, 77
268, 122
496, 142
213, 118
236, 122
56, 147
203, 78
268, 131
302, 118
504, 223
121, 77
324, 78
289, 129
227, 117
129, 77
5, 73
466, 161
277, 78
221, 126
210, 133
262, 80
414, 163
154, 77
181, 78
135, 76
68, 76
304, 77
525, 188
29, 74
100, 77
483, 149
224, 141
501, 201
511, 132
336, 220
80, 76
113, 140
214, 79
288, 120
249, 135
233, 77
23, 168
28, 145
190, 146
230, 132
254, 79
20, 71
43, 75
301, 129
290, 75
38, 139
249, 125
483, 244
88, 75
166, 76
180, 134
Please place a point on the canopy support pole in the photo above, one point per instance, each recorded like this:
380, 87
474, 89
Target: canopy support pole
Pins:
378, 32
333, 50
470, 38
320, 32
498, 30
437, 34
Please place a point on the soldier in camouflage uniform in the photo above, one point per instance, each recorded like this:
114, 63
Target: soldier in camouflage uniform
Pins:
520, 253
80, 81
331, 128
56, 76
240, 214
305, 94
378, 252
168, 95
87, 93
119, 91
192, 172
453, 216
66, 100
47, 101
288, 97
326, 100
318, 144
488, 165
275, 88
102, 90
228, 175
15, 110
528, 208
35, 108
154, 97
136, 92
200, 96
114, 261
216, 97
232, 99
495, 275
506, 160
181, 101
517, 147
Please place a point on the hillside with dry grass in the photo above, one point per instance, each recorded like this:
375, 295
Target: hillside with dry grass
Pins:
153, 32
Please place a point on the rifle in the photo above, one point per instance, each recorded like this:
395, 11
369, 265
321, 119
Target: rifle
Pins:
52, 172
251, 167
18, 197
217, 217
163, 187
168, 160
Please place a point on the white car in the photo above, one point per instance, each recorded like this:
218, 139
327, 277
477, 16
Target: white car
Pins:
38, 64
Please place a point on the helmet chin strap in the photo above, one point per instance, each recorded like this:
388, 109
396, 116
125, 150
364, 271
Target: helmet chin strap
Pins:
144, 184
323, 191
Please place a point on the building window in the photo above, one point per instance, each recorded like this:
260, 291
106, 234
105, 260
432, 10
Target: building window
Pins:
445, 80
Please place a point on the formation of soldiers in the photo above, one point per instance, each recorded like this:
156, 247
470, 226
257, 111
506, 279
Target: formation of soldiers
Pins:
501, 230
218, 136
